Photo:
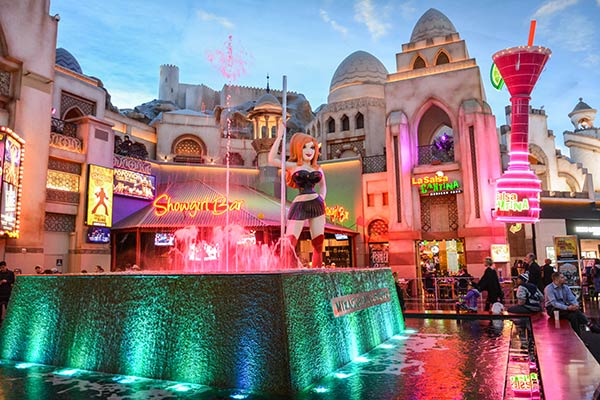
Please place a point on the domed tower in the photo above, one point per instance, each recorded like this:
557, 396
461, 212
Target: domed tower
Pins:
351, 124
439, 127
584, 141
168, 87
67, 60
265, 116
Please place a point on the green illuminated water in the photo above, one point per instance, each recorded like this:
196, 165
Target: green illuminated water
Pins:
273, 333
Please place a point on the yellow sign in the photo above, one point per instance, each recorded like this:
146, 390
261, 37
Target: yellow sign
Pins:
500, 253
337, 213
100, 196
566, 247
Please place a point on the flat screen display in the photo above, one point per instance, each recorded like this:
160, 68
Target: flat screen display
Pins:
164, 239
97, 234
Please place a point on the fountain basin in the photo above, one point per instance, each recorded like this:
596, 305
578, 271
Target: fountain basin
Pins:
271, 332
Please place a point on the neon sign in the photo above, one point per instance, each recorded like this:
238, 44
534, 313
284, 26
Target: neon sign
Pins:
163, 204
437, 185
337, 213
509, 201
524, 383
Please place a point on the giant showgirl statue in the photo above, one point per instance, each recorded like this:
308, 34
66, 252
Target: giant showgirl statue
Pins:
303, 173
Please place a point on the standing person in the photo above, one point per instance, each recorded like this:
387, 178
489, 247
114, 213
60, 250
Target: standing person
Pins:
463, 279
547, 271
535, 273
596, 276
559, 297
489, 282
529, 297
7, 278
303, 173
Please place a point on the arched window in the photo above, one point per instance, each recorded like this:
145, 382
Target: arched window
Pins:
235, 159
188, 150
273, 131
442, 58
345, 123
330, 125
419, 63
360, 121
378, 231
72, 113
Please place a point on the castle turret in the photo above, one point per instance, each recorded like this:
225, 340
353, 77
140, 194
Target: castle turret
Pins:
584, 141
168, 87
582, 116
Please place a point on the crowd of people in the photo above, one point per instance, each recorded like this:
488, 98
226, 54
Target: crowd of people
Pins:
537, 288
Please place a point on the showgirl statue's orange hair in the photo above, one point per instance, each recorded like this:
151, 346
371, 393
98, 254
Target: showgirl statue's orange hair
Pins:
297, 143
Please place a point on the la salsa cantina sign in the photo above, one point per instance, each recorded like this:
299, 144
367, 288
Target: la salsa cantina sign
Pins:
436, 185
164, 204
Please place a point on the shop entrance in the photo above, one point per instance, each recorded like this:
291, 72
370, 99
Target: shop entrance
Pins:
437, 261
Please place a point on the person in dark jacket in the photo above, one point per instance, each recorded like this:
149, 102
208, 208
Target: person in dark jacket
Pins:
547, 271
535, 273
7, 279
490, 283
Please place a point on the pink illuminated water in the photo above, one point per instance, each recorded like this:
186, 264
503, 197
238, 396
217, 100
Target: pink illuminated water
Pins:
232, 249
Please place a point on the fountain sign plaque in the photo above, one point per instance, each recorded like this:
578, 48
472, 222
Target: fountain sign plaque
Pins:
359, 301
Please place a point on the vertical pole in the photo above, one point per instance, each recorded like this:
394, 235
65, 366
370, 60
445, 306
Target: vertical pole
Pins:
283, 140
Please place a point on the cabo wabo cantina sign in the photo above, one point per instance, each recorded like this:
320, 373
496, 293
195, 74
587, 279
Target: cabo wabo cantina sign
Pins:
164, 205
436, 185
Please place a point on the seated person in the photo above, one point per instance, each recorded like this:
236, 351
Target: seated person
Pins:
470, 300
529, 297
462, 280
559, 296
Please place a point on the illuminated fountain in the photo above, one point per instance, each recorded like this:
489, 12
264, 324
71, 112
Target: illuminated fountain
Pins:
518, 190
249, 325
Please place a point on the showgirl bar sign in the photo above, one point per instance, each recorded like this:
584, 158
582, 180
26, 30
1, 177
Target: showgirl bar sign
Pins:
163, 204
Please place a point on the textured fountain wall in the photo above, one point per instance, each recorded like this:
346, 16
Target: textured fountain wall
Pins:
273, 333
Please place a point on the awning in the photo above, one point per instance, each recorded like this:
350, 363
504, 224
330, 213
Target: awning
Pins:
566, 210
200, 204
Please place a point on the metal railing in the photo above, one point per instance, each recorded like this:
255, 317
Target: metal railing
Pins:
445, 290
431, 154
373, 164
63, 127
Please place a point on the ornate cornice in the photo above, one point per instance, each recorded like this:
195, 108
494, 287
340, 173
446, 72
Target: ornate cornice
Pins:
132, 164
262, 145
353, 104
66, 142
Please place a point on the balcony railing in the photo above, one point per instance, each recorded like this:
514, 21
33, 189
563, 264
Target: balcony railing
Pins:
373, 164
431, 154
63, 127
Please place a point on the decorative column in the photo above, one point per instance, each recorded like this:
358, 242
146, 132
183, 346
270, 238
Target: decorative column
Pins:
518, 190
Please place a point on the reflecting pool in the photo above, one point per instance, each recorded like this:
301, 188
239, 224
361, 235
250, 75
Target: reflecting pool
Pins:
431, 359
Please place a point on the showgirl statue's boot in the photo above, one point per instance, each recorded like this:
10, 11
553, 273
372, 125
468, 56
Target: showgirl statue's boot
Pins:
317, 258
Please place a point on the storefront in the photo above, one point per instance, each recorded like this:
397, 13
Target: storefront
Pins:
588, 234
197, 214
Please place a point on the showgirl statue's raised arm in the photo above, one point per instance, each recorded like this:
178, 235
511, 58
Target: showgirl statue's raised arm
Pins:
303, 173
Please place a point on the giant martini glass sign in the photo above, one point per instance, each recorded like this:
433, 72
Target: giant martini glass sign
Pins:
518, 190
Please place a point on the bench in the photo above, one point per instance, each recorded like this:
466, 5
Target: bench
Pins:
567, 369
